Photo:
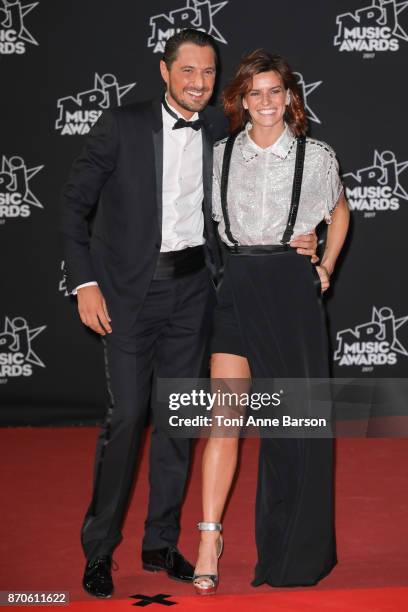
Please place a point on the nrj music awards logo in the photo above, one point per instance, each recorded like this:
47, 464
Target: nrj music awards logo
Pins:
306, 90
195, 14
78, 113
13, 32
16, 197
373, 28
372, 344
17, 356
377, 187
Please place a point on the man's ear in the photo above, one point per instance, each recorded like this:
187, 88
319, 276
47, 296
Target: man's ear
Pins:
164, 71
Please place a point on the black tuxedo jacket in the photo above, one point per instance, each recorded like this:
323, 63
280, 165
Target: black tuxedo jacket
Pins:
120, 172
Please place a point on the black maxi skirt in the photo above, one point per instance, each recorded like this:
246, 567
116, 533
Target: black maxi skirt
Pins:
270, 310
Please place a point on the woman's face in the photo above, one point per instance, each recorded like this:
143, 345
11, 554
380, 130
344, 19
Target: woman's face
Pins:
266, 100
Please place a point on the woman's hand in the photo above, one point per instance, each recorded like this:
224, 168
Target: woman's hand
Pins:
324, 277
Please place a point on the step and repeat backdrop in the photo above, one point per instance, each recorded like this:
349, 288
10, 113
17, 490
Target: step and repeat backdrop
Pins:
63, 62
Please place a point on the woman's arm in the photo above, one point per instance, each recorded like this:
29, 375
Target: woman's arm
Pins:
336, 235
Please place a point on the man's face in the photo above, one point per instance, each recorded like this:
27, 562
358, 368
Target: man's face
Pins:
190, 80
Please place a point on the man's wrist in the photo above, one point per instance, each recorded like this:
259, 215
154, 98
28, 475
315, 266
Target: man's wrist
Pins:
89, 284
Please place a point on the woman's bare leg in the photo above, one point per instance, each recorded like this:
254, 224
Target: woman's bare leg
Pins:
219, 459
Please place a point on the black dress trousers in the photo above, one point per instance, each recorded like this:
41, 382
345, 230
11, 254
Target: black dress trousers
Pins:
284, 335
168, 339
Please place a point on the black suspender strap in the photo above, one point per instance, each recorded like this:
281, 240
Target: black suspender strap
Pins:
296, 189
229, 145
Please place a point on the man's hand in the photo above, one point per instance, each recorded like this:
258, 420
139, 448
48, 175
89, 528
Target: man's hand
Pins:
306, 245
93, 311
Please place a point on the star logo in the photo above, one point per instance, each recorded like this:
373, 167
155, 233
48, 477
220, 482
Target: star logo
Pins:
214, 9
12, 17
387, 162
101, 83
195, 14
379, 316
387, 170
23, 336
375, 342
77, 113
384, 15
305, 91
398, 31
19, 178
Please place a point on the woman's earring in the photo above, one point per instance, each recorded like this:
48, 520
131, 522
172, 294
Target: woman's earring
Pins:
288, 99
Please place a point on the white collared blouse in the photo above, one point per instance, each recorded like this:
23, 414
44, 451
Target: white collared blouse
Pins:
260, 188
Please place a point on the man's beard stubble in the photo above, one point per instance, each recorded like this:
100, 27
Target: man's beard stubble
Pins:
188, 107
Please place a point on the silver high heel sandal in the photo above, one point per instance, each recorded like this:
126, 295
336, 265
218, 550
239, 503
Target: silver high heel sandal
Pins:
206, 584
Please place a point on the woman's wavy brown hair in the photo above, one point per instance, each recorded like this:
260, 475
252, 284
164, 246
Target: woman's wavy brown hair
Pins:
256, 62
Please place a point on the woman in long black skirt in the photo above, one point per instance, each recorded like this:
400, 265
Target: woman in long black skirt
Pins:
271, 184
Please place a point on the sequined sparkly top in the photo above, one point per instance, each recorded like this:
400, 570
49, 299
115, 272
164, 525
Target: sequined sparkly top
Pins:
260, 188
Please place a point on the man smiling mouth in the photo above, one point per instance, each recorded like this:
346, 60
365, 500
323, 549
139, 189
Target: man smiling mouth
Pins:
196, 94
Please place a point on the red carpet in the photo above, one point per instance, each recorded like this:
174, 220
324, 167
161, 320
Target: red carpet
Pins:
45, 485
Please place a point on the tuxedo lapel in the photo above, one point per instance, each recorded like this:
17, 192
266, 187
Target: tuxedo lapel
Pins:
207, 169
214, 259
158, 158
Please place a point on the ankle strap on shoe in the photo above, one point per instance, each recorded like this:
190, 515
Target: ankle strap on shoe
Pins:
209, 526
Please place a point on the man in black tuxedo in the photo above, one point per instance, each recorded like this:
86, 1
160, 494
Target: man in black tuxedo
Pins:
143, 284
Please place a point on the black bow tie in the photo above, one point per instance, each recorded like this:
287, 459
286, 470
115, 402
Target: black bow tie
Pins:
182, 123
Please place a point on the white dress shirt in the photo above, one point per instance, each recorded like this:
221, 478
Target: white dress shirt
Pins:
182, 195
183, 221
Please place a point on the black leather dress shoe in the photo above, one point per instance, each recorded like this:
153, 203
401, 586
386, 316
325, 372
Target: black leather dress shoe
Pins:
170, 560
97, 579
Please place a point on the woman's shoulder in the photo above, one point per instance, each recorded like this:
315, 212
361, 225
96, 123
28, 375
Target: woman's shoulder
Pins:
219, 145
319, 148
218, 151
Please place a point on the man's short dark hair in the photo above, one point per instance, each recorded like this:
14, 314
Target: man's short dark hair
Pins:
189, 35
